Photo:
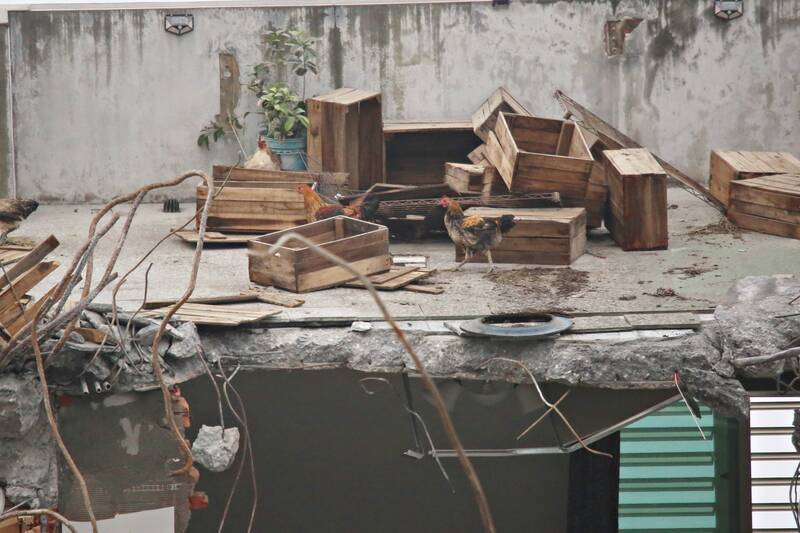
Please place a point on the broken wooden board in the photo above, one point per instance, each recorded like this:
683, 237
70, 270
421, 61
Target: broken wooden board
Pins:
273, 297
395, 279
214, 315
11, 253
613, 139
768, 204
252, 207
215, 237
729, 166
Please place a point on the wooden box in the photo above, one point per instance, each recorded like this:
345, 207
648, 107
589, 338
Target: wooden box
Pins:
417, 151
541, 155
729, 166
464, 177
484, 119
769, 204
345, 135
297, 268
252, 206
539, 236
637, 193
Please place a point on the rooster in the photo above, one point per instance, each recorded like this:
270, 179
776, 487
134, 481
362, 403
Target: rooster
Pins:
263, 159
476, 234
364, 207
12, 213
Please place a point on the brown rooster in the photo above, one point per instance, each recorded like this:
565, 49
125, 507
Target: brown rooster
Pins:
12, 213
476, 234
364, 207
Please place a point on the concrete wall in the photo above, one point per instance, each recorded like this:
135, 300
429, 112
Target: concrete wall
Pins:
105, 101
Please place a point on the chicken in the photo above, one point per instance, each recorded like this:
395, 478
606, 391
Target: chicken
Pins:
263, 159
476, 234
12, 213
364, 207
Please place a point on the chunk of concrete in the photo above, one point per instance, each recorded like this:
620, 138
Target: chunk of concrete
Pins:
187, 347
19, 404
215, 448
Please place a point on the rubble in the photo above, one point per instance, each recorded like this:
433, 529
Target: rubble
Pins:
215, 448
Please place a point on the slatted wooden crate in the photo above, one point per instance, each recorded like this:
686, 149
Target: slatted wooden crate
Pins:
297, 268
637, 186
769, 204
253, 206
484, 119
345, 135
539, 236
222, 172
729, 166
417, 151
541, 155
463, 177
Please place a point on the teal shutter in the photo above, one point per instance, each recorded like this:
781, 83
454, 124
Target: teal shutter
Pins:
666, 476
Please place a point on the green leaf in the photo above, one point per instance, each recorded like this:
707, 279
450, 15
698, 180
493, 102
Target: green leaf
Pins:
289, 124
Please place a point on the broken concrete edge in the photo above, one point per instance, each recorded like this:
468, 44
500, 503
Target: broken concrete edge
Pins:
630, 364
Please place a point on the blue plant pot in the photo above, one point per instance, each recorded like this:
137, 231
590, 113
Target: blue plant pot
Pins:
291, 151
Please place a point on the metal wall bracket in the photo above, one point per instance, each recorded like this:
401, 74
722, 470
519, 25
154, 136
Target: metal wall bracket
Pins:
729, 9
179, 24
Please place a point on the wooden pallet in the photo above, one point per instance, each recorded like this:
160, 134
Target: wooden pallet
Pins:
215, 237
214, 315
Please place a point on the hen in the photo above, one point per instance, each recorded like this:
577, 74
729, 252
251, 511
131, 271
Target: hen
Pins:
12, 213
476, 234
364, 207
263, 159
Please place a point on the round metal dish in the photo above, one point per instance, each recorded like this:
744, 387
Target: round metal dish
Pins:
517, 326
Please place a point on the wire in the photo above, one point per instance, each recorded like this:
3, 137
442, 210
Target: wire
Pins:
686, 402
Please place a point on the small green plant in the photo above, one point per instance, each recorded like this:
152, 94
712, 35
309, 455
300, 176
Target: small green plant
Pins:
284, 112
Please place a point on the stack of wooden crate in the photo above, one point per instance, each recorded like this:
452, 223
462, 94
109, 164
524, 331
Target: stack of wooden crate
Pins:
539, 236
729, 166
257, 201
768, 204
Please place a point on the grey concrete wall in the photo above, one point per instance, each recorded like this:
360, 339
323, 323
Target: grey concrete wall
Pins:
105, 101
6, 147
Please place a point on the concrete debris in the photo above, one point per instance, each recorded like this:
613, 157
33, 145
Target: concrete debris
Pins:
748, 325
189, 346
215, 448
360, 327
19, 404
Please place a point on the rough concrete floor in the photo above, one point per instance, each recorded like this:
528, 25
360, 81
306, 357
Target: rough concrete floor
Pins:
699, 268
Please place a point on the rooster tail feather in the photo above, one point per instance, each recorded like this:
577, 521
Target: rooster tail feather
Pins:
506, 223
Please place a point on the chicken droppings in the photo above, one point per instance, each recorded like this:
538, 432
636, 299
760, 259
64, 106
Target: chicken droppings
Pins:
539, 281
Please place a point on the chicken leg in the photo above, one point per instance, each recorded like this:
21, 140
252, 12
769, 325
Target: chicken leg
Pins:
491, 263
467, 257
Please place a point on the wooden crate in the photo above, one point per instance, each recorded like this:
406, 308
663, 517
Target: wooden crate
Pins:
464, 177
637, 187
769, 204
484, 119
541, 155
539, 236
297, 268
729, 166
252, 206
417, 151
221, 172
345, 135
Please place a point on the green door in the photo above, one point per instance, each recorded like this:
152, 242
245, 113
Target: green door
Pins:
667, 473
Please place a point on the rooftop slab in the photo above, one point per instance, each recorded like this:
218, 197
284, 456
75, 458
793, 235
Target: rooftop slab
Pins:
702, 262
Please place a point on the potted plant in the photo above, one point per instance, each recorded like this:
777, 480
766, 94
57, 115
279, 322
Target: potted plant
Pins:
283, 112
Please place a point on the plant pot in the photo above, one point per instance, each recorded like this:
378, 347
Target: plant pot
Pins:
291, 151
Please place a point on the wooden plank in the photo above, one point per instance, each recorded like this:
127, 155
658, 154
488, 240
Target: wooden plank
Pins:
213, 237
485, 118
764, 225
406, 277
392, 274
335, 275
238, 174
391, 127
214, 315
424, 289
20, 286
30, 260
565, 139
274, 298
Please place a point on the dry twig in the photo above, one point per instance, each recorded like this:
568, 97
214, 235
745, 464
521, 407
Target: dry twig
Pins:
438, 401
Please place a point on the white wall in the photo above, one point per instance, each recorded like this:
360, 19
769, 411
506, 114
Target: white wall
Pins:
105, 101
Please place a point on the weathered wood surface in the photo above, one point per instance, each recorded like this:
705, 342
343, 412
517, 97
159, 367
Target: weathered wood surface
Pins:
297, 268
256, 209
539, 236
729, 166
215, 315
501, 100
216, 237
345, 135
768, 204
637, 214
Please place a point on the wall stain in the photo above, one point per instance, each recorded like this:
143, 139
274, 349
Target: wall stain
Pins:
335, 54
